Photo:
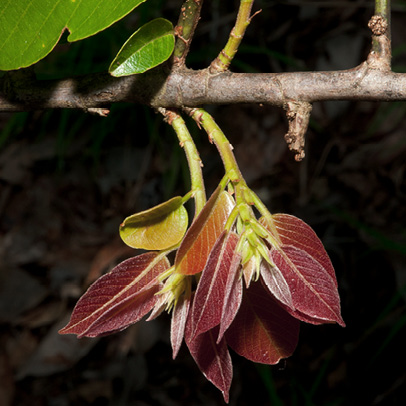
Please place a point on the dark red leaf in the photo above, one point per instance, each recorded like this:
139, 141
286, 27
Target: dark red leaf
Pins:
262, 331
208, 304
294, 231
314, 291
178, 324
213, 359
119, 298
232, 297
276, 284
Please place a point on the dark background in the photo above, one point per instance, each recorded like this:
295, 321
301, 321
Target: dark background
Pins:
67, 180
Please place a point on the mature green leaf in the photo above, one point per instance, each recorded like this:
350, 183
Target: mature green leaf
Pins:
29, 29
148, 47
158, 228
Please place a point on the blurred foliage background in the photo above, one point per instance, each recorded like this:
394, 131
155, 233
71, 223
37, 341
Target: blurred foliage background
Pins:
67, 180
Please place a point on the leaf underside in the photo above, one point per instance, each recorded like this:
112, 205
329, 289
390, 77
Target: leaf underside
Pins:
213, 359
119, 298
301, 260
203, 233
262, 330
178, 324
314, 292
294, 231
30, 29
215, 286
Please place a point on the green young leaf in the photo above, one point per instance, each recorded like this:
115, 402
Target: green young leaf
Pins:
158, 228
148, 47
30, 29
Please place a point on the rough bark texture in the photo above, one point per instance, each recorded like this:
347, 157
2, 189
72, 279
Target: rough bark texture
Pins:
184, 87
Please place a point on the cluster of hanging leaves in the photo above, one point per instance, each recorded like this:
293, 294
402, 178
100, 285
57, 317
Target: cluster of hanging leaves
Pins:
215, 298
30, 29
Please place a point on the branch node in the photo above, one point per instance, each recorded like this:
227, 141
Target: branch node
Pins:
378, 25
380, 56
298, 115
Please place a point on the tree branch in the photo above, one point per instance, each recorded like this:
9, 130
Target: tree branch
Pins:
158, 88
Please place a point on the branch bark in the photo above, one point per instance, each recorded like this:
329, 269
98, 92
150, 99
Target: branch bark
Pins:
189, 88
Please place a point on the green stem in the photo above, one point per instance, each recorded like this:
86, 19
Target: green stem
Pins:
382, 8
224, 58
224, 147
188, 19
380, 25
192, 156
244, 196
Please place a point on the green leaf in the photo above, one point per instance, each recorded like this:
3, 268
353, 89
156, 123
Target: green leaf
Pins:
148, 47
29, 29
158, 228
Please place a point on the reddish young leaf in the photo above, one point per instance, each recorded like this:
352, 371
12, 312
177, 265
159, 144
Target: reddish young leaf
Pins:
314, 291
208, 304
119, 298
232, 297
203, 233
276, 284
262, 331
213, 359
178, 324
304, 317
294, 231
123, 314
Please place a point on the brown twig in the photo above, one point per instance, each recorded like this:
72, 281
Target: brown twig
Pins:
196, 88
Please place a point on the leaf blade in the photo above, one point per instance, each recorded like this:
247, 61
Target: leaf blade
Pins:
195, 248
123, 290
262, 331
158, 228
147, 48
214, 286
276, 284
213, 359
314, 292
30, 29
178, 324
294, 231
